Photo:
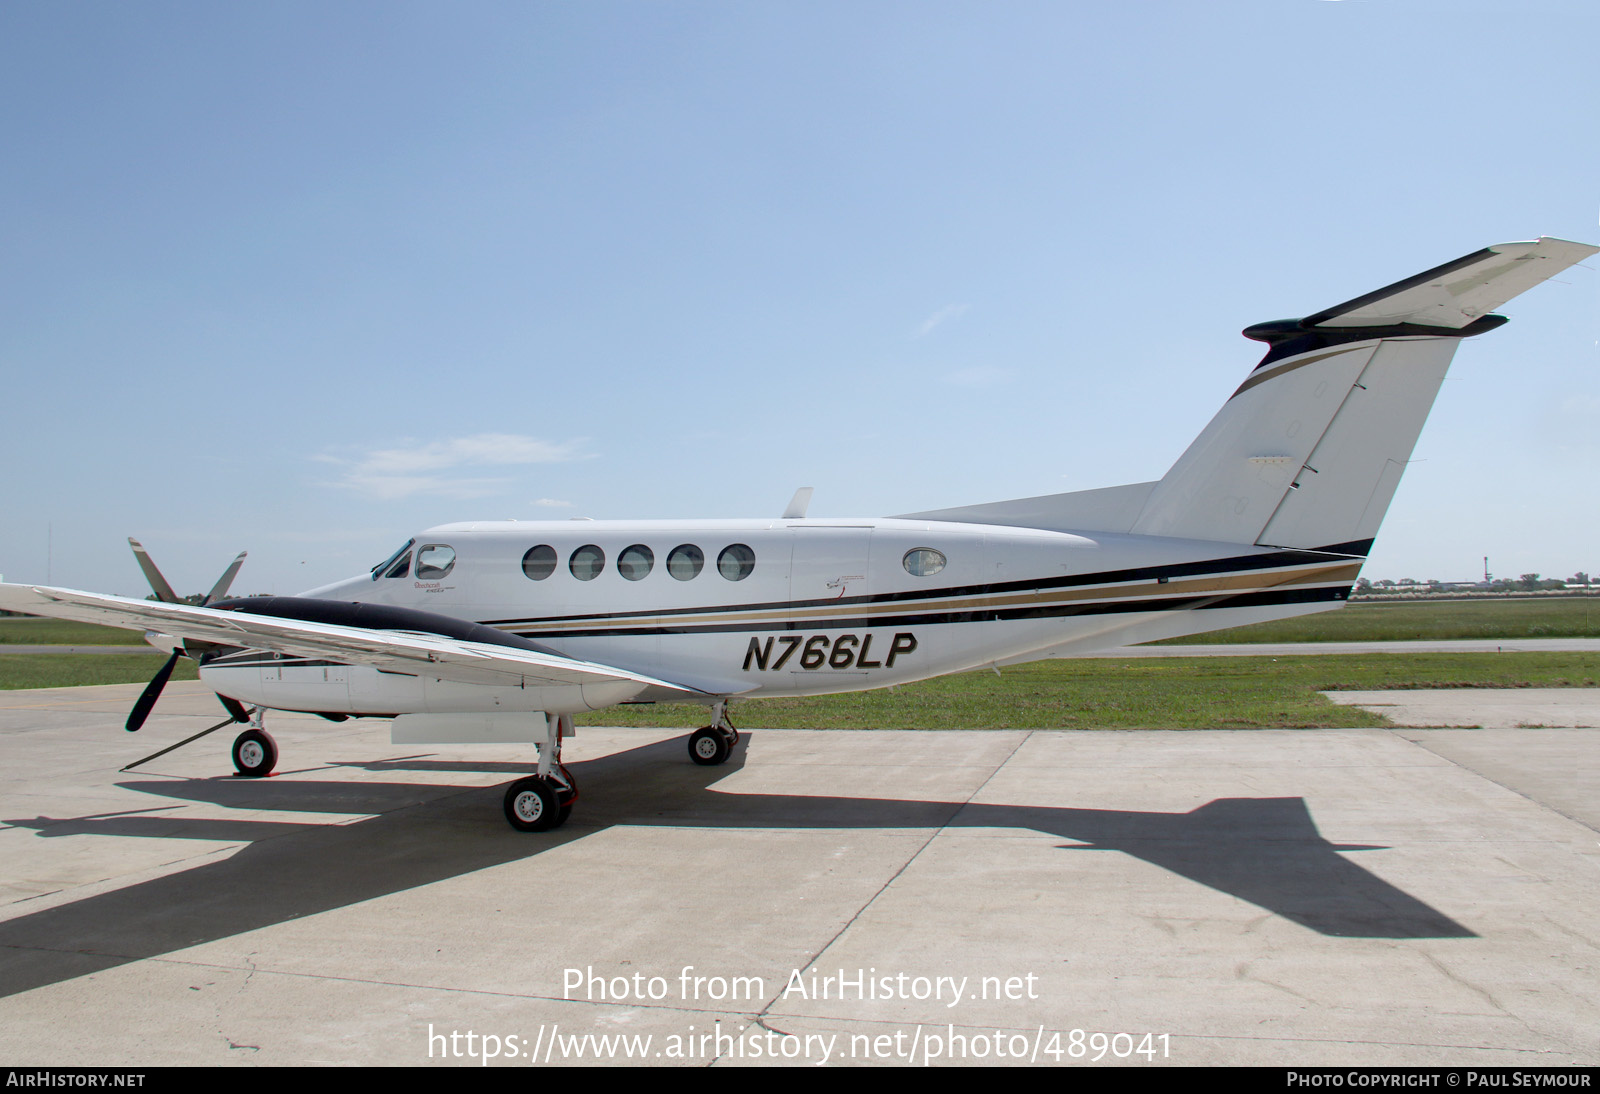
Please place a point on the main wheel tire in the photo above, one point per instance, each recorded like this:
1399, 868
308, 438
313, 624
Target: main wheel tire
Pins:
255, 753
708, 747
532, 805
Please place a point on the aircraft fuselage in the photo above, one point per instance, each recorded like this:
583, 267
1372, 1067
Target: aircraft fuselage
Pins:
785, 607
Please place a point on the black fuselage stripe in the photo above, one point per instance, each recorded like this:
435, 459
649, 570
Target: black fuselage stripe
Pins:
1200, 602
1269, 561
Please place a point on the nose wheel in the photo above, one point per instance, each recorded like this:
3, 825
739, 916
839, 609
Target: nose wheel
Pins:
255, 753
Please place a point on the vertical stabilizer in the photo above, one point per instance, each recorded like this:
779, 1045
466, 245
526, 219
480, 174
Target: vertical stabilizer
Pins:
1309, 450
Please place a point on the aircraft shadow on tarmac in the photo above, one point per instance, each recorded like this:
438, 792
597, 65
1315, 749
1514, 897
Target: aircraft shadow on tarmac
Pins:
1266, 851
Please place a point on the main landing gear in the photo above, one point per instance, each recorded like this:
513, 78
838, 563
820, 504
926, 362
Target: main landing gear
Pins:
713, 744
544, 801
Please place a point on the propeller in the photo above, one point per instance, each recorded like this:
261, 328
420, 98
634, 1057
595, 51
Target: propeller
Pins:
152, 692
163, 590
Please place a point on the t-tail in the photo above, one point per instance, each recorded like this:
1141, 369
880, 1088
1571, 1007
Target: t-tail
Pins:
1308, 451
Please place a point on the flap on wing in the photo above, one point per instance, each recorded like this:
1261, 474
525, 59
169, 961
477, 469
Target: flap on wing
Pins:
1459, 292
393, 651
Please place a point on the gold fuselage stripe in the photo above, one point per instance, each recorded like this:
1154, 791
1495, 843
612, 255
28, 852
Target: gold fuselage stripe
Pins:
1255, 580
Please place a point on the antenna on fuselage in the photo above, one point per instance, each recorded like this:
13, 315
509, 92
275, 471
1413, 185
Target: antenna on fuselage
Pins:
798, 504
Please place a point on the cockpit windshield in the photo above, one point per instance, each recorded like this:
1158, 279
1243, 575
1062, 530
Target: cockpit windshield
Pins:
400, 561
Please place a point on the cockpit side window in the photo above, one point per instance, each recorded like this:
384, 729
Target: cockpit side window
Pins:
396, 564
435, 561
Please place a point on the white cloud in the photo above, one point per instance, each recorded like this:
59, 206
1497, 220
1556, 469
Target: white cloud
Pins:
952, 311
410, 469
553, 503
484, 448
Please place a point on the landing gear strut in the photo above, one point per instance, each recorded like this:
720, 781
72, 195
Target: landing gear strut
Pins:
541, 802
713, 744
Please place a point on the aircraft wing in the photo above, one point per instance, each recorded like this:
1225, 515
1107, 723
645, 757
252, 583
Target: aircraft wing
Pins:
1459, 292
392, 651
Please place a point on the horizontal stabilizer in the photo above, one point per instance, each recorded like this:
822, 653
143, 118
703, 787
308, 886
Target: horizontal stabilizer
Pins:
1308, 451
1458, 292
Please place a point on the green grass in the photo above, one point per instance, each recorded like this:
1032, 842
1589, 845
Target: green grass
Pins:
1149, 693
73, 670
24, 631
1508, 618
1438, 620
1155, 693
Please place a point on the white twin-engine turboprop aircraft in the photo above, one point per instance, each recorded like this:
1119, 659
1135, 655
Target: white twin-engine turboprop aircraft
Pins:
469, 630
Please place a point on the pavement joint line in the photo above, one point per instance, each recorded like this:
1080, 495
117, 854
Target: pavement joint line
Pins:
900, 1023
32, 896
1175, 1035
57, 706
1487, 996
762, 1017
115, 884
1492, 780
933, 834
251, 969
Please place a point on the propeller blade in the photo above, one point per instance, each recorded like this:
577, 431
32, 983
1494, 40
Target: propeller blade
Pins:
235, 708
158, 583
152, 692
220, 589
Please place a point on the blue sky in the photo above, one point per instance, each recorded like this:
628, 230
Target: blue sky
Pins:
307, 278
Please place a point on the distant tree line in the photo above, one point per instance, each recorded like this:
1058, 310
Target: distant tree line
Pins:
1527, 583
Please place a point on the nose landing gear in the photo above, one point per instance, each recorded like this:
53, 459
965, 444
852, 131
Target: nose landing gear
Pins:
255, 753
